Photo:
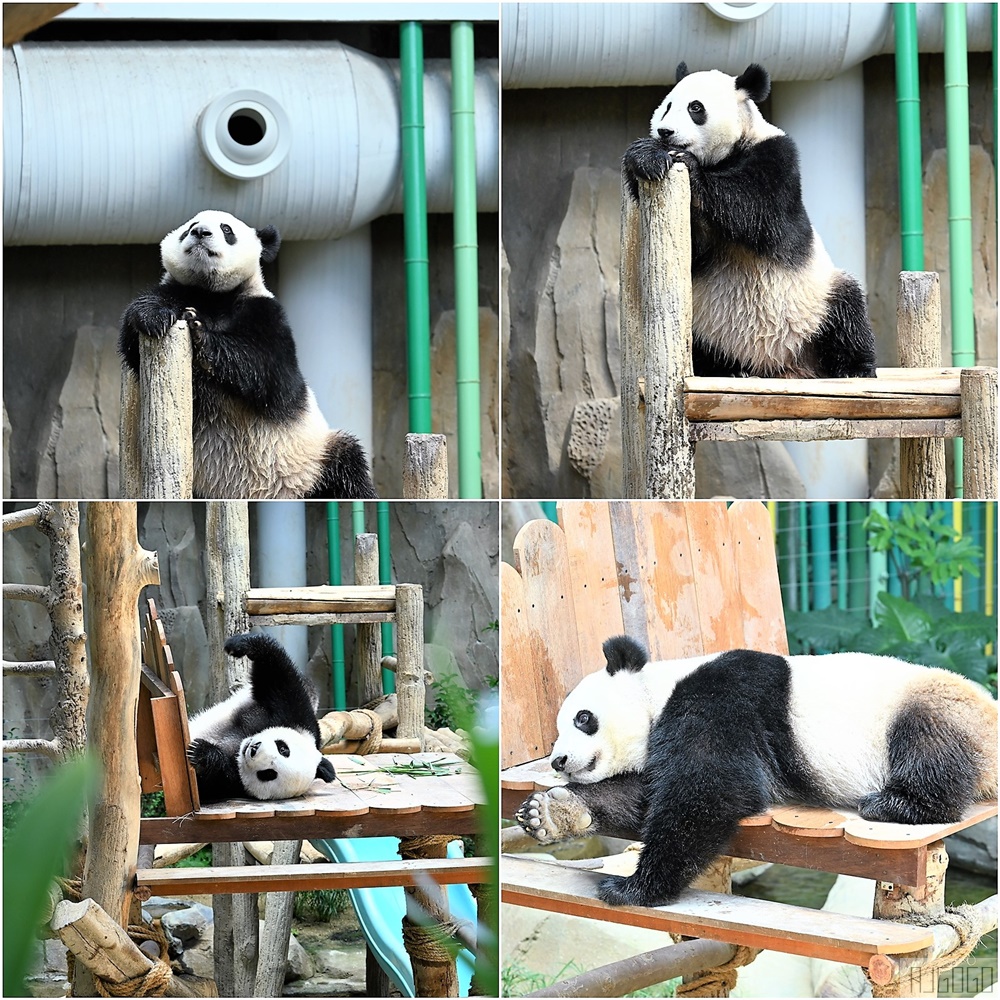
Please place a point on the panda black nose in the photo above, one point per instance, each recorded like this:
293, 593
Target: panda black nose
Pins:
664, 133
559, 763
201, 232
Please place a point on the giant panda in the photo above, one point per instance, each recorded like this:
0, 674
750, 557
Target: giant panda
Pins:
258, 433
767, 300
676, 753
262, 742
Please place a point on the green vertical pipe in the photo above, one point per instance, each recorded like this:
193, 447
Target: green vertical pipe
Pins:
466, 240
550, 510
339, 686
956, 106
819, 544
857, 557
786, 559
894, 585
357, 519
384, 577
842, 555
416, 259
803, 542
911, 208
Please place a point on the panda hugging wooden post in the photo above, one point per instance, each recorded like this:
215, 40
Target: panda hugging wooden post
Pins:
223, 410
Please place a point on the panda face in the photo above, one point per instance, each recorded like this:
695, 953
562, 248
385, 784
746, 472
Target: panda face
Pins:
215, 251
709, 113
281, 763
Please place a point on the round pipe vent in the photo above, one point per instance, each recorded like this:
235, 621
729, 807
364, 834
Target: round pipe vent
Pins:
245, 134
736, 11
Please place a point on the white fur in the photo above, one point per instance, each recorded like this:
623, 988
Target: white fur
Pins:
731, 116
840, 708
211, 262
295, 772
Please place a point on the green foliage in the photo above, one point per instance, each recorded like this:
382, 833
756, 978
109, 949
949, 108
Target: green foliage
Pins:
454, 704
921, 546
919, 631
200, 859
153, 805
321, 905
35, 852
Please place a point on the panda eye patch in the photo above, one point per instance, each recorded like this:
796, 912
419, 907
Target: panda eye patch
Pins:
282, 748
227, 232
585, 722
697, 112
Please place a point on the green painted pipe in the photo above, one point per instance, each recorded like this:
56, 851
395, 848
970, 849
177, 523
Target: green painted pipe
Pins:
842, 555
911, 207
385, 576
549, 509
802, 534
956, 105
466, 242
819, 544
357, 519
339, 679
857, 557
415, 256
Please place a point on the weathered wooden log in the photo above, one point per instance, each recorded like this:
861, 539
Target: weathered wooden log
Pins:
655, 324
278, 908
166, 855
425, 467
356, 725
918, 332
117, 570
388, 745
368, 642
410, 652
105, 950
979, 430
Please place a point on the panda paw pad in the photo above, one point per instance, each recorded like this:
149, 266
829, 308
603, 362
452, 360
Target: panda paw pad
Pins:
556, 814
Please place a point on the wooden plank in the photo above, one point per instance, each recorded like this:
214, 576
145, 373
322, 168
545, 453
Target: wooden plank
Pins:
381, 792
590, 546
172, 754
323, 618
465, 779
824, 430
739, 920
890, 382
541, 557
525, 735
900, 835
290, 878
762, 612
747, 406
178, 689
196, 827
308, 600
435, 794
145, 744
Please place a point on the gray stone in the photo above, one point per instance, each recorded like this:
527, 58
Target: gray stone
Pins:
300, 965
189, 925
158, 906
975, 849
747, 470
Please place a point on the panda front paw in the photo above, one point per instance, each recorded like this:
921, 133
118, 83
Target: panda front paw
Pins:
556, 814
645, 159
203, 755
199, 336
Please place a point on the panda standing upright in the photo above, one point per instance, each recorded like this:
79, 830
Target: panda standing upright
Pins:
677, 752
258, 433
767, 300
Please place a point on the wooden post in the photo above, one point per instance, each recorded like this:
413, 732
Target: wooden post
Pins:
425, 467
227, 579
163, 402
918, 331
655, 298
278, 908
117, 570
410, 657
368, 643
896, 902
979, 430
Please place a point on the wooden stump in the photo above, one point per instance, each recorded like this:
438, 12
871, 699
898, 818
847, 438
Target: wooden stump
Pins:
425, 467
979, 431
410, 661
278, 907
368, 644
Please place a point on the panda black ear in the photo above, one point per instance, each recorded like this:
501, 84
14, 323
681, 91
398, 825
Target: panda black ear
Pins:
623, 653
325, 770
682, 71
270, 242
756, 81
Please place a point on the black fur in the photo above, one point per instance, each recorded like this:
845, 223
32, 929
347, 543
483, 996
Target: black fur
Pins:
623, 653
345, 474
756, 81
281, 697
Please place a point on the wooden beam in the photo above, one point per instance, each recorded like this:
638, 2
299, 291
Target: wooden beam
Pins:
290, 878
748, 406
20, 19
890, 382
318, 600
824, 430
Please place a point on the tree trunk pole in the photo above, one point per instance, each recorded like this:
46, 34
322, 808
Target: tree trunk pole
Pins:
117, 570
633, 406
368, 644
979, 430
410, 657
918, 330
278, 908
425, 467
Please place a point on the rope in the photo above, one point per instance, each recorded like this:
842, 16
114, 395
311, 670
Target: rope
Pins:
426, 942
371, 742
961, 919
721, 980
417, 847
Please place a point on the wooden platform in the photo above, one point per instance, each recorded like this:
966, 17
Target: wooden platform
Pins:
757, 923
321, 605
361, 801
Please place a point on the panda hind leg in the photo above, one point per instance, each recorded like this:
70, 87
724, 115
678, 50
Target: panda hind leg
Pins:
844, 346
932, 773
346, 475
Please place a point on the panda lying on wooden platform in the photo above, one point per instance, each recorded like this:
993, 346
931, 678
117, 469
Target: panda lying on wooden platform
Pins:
767, 300
258, 433
676, 753
262, 742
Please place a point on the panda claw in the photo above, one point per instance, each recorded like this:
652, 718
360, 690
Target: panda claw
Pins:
555, 814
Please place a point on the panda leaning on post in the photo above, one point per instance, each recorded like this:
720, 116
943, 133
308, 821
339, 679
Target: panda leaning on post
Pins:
675, 753
258, 432
767, 300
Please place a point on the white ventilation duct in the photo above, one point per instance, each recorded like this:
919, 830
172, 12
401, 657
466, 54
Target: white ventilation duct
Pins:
111, 142
640, 44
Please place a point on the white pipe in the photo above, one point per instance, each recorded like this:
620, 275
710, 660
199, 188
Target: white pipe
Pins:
833, 189
325, 287
640, 44
280, 556
101, 139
